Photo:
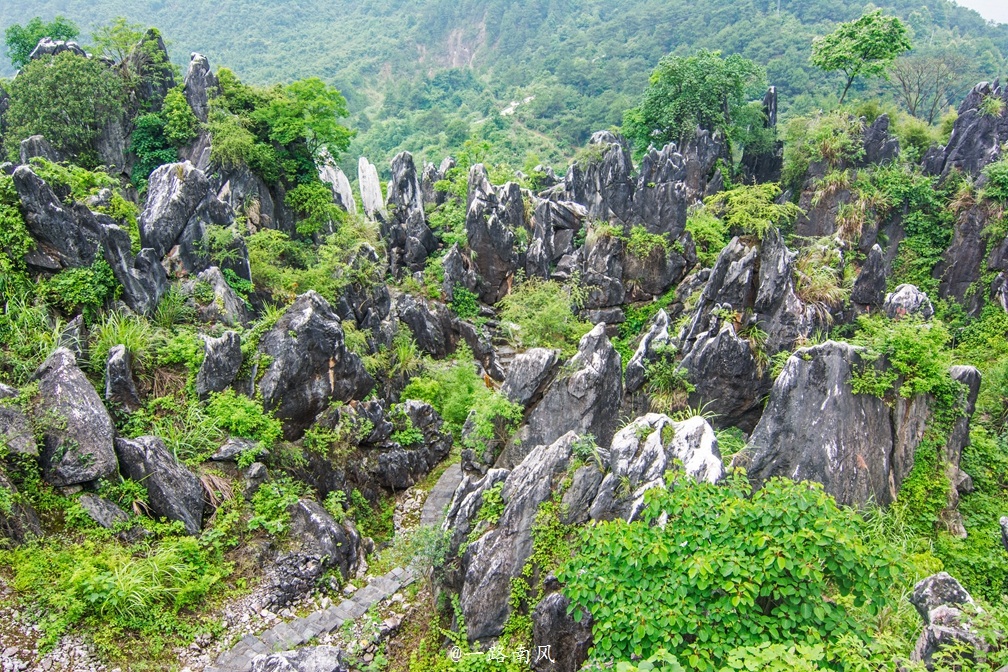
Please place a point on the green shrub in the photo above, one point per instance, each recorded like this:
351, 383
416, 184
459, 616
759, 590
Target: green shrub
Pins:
448, 221
997, 181
191, 434
710, 235
81, 290
915, 353
464, 303
492, 506
15, 241
120, 329
151, 147
729, 568
537, 313
270, 505
641, 243
314, 202
180, 124
752, 208
243, 417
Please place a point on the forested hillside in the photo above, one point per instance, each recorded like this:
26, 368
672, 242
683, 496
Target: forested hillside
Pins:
423, 76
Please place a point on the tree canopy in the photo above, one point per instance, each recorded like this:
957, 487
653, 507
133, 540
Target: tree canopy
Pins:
861, 48
67, 98
310, 110
686, 92
22, 40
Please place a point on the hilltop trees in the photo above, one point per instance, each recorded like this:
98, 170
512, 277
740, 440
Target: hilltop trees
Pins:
861, 48
684, 92
21, 40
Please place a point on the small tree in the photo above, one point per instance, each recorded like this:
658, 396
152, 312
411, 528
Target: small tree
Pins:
308, 110
684, 92
927, 82
22, 40
67, 98
861, 48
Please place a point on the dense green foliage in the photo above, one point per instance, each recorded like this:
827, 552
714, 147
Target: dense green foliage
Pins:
730, 568
22, 40
861, 48
685, 92
67, 98
538, 314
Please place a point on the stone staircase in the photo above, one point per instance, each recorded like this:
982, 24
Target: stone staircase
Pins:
286, 636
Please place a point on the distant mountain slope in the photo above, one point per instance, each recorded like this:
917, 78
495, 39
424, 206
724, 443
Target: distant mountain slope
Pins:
577, 64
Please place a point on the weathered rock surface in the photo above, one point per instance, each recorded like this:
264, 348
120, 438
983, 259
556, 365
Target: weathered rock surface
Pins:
222, 359
67, 235
499, 555
643, 451
370, 189
16, 432
102, 511
226, 306
321, 658
174, 492
569, 640
647, 352
907, 300
583, 401
120, 391
200, 85
869, 287
331, 174
938, 599
319, 544
937, 590
528, 374
143, 277
976, 137
22, 522
50, 47
37, 146
492, 216
310, 364
77, 431
409, 238
402, 466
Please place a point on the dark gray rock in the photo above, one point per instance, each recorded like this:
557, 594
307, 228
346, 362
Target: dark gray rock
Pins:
74, 337
962, 263
50, 47
101, 511
37, 146
200, 85
568, 640
815, 428
174, 492
934, 638
492, 216
120, 391
22, 522
459, 270
460, 517
143, 277
657, 336
409, 237
76, 429
879, 145
226, 307
222, 359
869, 287
554, 224
603, 270
661, 194
908, 300
976, 137
726, 376
938, 590
318, 544
500, 554
402, 466
765, 166
583, 401
321, 658
309, 364
68, 234
578, 498
603, 184
232, 448
528, 374
651, 276
16, 433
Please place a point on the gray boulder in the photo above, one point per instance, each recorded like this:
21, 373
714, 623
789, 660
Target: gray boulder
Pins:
938, 590
331, 174
77, 431
554, 226
569, 640
938, 599
460, 517
222, 359
492, 216
879, 145
661, 195
528, 374
174, 492
459, 270
976, 137
409, 237
101, 511
583, 401
869, 287
200, 85
500, 554
318, 544
321, 658
225, 307
603, 270
50, 47
16, 432
908, 300
21, 522
309, 364
68, 235
643, 451
403, 465
143, 278
120, 391
370, 190
37, 146
815, 428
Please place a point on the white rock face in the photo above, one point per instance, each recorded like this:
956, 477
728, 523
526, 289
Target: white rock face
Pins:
370, 188
330, 173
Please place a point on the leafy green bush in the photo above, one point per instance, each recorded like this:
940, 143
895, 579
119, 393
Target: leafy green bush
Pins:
997, 181
537, 313
22, 40
448, 222
729, 568
270, 505
187, 430
464, 303
710, 235
243, 417
915, 354
180, 124
15, 241
67, 98
81, 290
641, 243
752, 208
117, 328
151, 147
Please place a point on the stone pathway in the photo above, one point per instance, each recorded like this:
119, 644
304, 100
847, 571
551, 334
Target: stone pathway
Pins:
440, 495
286, 636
